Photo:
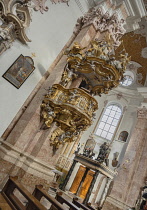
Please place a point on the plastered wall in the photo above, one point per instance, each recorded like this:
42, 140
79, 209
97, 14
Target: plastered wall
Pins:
49, 33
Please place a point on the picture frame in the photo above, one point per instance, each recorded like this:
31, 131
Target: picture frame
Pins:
19, 71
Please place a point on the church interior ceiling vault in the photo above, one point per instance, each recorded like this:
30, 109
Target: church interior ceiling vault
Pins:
134, 44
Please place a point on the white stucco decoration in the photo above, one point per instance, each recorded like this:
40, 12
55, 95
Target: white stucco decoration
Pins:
39, 5
144, 52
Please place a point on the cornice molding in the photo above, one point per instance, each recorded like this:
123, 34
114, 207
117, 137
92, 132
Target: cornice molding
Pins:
24, 160
117, 203
143, 91
127, 93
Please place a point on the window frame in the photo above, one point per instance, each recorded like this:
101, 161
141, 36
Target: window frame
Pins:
111, 123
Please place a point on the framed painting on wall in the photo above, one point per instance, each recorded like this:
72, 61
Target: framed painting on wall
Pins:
19, 71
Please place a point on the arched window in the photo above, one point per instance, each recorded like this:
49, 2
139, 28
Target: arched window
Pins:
109, 121
127, 80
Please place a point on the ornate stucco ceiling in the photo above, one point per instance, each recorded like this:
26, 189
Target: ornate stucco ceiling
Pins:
134, 44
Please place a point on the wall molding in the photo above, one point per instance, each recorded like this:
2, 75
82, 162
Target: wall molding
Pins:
25, 161
117, 203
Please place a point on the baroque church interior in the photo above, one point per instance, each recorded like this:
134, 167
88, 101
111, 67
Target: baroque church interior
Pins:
73, 104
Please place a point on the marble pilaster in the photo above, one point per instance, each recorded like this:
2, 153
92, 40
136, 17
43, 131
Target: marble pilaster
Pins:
62, 187
91, 187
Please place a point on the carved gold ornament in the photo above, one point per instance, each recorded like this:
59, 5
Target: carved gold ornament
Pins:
71, 109
97, 64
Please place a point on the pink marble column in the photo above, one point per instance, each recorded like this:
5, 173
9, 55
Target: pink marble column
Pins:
132, 172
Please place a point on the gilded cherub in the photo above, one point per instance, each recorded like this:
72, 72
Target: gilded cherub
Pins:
125, 59
75, 50
67, 76
96, 48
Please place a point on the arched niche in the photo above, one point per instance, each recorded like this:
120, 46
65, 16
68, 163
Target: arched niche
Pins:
123, 136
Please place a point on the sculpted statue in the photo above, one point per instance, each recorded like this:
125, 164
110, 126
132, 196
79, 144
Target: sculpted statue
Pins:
89, 147
104, 153
55, 141
51, 91
99, 12
124, 60
115, 159
67, 76
89, 15
88, 152
76, 50
101, 49
78, 25
114, 19
48, 114
104, 21
117, 64
113, 23
88, 18
96, 48
121, 64
117, 31
120, 31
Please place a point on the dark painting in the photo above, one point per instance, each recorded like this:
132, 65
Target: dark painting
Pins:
19, 71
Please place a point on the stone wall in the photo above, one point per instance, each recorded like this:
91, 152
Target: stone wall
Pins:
132, 173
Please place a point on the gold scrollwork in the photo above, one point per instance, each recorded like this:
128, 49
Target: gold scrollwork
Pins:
97, 64
71, 109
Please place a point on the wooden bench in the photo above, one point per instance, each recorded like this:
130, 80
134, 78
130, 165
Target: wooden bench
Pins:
15, 203
78, 204
90, 207
62, 200
39, 193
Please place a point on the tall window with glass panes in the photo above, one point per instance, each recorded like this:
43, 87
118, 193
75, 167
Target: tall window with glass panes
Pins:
109, 121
